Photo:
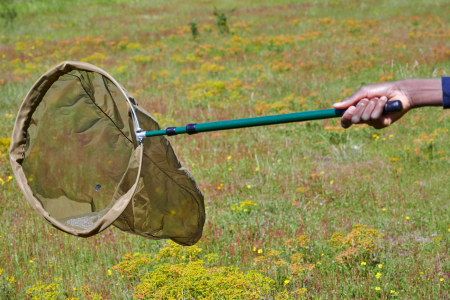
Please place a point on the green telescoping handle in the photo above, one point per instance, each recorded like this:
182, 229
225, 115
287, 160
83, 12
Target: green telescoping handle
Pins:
391, 106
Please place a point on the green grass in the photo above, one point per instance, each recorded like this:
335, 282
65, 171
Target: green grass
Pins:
281, 56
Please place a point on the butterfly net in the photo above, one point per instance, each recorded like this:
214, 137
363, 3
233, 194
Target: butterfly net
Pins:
75, 156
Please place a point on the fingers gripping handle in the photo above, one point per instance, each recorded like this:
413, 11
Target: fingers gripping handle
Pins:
389, 107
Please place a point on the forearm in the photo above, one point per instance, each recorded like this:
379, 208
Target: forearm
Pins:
422, 92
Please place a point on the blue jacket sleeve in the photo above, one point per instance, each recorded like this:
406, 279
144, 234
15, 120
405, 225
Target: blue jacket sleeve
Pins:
446, 92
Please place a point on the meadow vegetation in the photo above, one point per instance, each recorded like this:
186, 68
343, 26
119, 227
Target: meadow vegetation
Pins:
294, 211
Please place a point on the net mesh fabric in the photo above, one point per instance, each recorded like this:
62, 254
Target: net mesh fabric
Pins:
75, 156
78, 139
167, 203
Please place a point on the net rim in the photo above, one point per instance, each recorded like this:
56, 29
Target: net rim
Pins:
18, 142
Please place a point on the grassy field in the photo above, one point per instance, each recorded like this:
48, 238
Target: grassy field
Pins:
283, 202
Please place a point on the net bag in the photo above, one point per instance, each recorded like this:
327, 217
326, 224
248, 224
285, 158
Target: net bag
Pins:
75, 156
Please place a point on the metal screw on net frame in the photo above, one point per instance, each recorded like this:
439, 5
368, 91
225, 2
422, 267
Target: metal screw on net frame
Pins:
389, 107
138, 127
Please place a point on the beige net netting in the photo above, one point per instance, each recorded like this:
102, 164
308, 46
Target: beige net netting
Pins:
76, 158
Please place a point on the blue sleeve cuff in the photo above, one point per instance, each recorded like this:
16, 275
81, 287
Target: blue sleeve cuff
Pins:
446, 92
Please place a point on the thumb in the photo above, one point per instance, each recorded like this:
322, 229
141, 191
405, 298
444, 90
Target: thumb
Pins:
389, 119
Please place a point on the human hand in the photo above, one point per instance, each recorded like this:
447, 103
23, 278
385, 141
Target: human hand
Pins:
366, 105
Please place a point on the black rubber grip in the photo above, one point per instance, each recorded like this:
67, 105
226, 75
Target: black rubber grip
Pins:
170, 131
393, 106
190, 128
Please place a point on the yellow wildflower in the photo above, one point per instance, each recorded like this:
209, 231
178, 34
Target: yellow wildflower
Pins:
378, 275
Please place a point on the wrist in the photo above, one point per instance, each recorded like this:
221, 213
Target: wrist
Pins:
422, 92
